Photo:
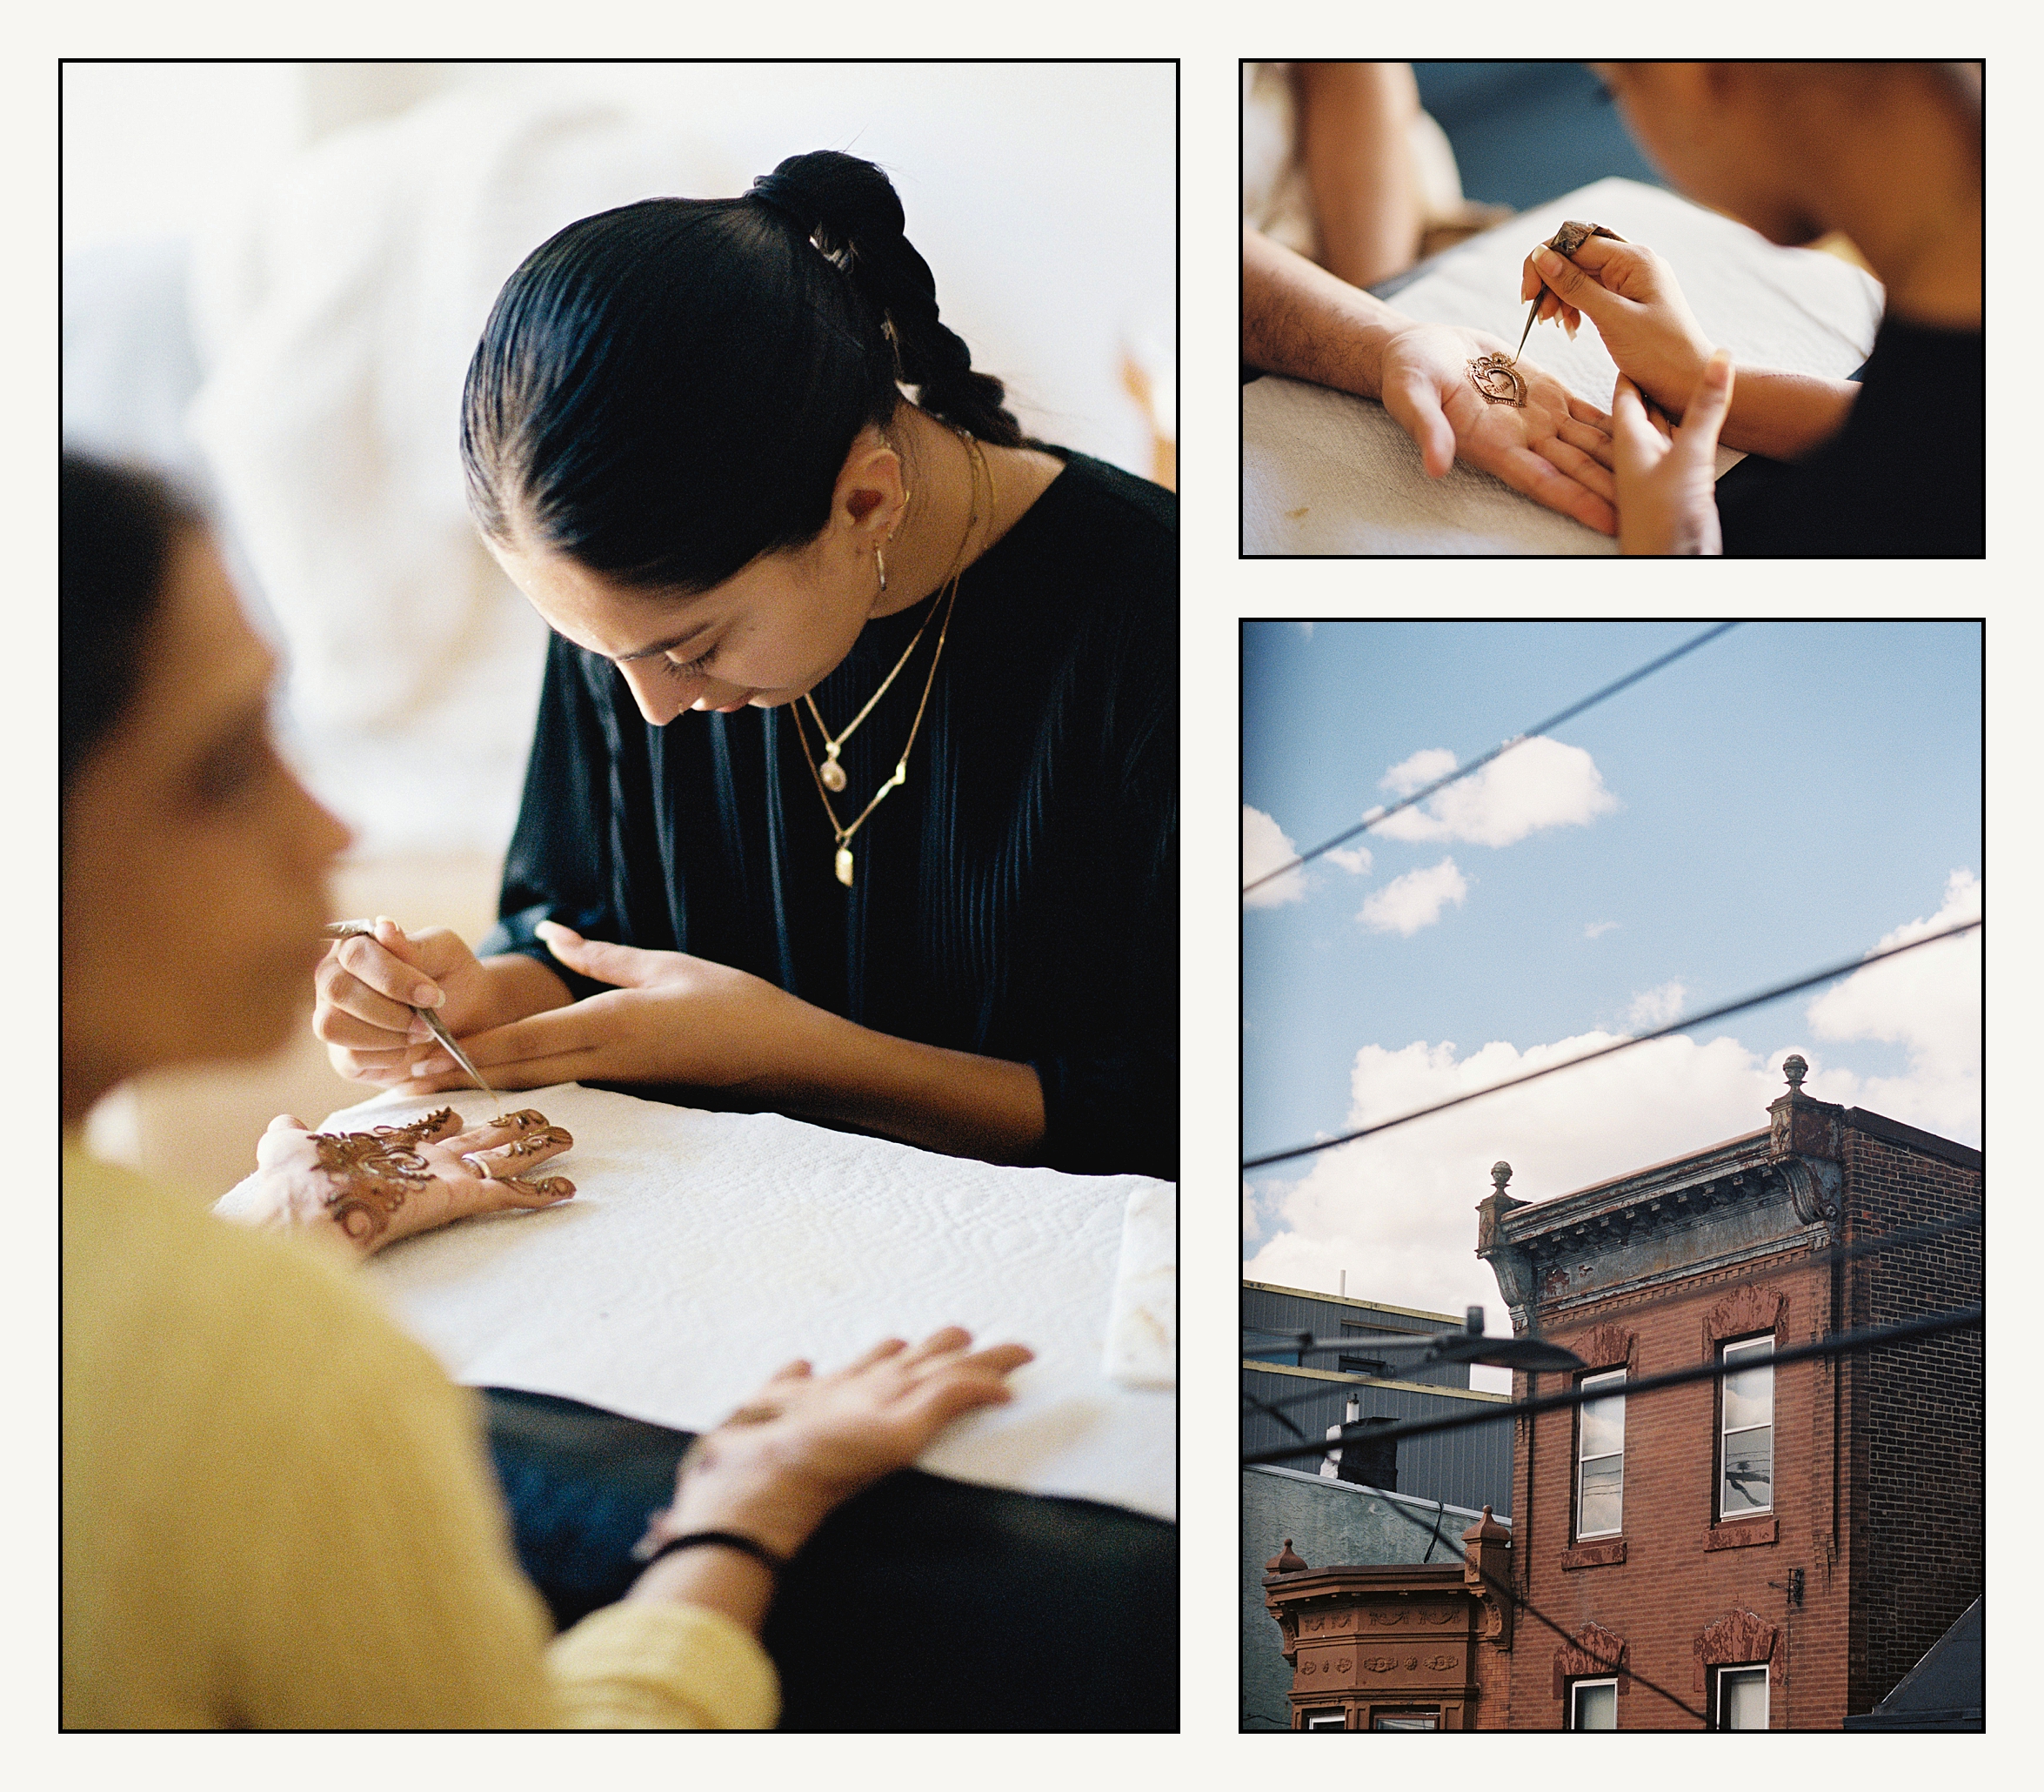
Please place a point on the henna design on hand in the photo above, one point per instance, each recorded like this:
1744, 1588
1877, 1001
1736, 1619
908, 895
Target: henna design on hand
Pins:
434, 1125
372, 1173
1498, 380
523, 1117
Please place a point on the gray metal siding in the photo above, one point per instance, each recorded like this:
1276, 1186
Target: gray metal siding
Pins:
1265, 1310
1470, 1467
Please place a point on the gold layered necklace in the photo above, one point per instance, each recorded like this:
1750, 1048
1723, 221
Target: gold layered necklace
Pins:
827, 771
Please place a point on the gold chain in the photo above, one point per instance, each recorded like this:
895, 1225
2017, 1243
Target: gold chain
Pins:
948, 596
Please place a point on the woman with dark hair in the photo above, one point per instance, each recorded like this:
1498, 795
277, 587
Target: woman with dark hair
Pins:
276, 1508
910, 865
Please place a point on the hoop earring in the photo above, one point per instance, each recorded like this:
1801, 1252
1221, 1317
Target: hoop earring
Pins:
881, 565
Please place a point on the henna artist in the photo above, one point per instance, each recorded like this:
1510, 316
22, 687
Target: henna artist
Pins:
1299, 319
1894, 463
277, 1511
854, 792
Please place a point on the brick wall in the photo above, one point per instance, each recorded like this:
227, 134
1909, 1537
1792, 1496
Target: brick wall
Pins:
1673, 1583
1917, 1413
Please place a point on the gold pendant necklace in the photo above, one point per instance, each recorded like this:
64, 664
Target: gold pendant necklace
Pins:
827, 773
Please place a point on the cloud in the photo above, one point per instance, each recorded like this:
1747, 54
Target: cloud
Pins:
1352, 859
1251, 1226
1929, 1004
1597, 929
1265, 847
1408, 904
1656, 1007
1306, 629
1538, 784
1403, 1203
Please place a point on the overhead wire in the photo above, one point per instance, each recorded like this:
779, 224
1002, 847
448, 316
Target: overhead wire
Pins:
1843, 1344
1377, 817
1842, 969
1635, 1309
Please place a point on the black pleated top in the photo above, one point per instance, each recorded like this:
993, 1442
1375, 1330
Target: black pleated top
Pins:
1016, 898
1908, 474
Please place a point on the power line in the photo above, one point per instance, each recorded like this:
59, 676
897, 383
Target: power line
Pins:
1377, 817
1624, 1044
1523, 1603
1632, 1310
1846, 1344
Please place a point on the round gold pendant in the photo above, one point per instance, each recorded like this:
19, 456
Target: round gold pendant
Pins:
844, 866
831, 773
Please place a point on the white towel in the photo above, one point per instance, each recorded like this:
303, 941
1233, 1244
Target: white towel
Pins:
1324, 472
703, 1250
1143, 1323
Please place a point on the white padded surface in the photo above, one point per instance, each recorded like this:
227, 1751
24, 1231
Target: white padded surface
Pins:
1324, 472
702, 1251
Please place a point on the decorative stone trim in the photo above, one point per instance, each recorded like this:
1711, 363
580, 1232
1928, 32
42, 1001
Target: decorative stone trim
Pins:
1744, 1313
1608, 1554
1738, 1636
1741, 1533
1595, 1651
1605, 1346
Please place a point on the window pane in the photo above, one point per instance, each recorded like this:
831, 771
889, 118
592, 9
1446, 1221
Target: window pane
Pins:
1603, 1425
1749, 1396
1407, 1719
1749, 1471
1327, 1720
1596, 1707
1743, 1695
1601, 1506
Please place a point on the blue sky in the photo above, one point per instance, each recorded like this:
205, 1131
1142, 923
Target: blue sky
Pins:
1785, 797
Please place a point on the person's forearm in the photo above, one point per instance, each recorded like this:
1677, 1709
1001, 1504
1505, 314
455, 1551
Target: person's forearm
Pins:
1785, 416
519, 986
1297, 319
956, 1102
726, 1580
1355, 131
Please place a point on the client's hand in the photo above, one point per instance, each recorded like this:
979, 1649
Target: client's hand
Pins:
1631, 295
1666, 492
373, 1188
805, 1443
1556, 449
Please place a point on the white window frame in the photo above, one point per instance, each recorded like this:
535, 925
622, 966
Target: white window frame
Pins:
1737, 1670
1377, 1717
1616, 1377
1315, 1719
1750, 1350
1577, 1687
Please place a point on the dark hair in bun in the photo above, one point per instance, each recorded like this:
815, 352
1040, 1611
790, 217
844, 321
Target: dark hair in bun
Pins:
665, 391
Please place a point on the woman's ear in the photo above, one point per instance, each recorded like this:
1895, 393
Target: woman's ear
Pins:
871, 495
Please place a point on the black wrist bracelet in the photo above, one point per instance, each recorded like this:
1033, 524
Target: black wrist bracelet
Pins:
729, 1540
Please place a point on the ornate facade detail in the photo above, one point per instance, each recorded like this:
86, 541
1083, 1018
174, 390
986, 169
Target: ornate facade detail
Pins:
1603, 1346
1595, 1651
1738, 1637
1744, 1313
1814, 1202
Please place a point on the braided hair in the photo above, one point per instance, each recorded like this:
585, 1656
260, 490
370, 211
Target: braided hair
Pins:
667, 390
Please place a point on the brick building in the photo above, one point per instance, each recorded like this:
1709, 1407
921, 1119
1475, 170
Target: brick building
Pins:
1775, 1548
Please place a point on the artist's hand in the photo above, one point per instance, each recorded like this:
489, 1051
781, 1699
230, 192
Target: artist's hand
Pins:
1556, 450
1631, 295
382, 1186
1666, 492
805, 1443
366, 988
673, 1019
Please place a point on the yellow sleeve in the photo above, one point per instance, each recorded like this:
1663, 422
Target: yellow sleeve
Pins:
638, 1665
279, 1512
420, 1616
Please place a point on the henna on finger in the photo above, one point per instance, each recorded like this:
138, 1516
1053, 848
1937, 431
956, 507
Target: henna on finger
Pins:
523, 1117
551, 1139
426, 1131
542, 1188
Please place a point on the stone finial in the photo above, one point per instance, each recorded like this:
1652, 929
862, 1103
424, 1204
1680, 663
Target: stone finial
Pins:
1501, 1174
1795, 1067
1286, 1561
1487, 1529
